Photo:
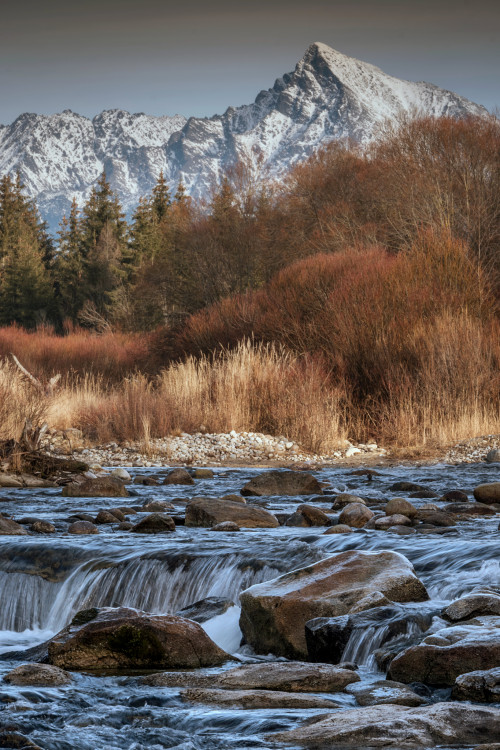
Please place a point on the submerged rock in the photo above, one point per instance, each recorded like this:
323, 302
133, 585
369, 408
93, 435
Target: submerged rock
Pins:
274, 613
43, 527
287, 483
384, 691
207, 512
123, 638
398, 727
205, 609
82, 527
38, 675
226, 526
98, 487
256, 699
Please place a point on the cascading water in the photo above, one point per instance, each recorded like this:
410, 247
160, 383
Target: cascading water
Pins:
44, 581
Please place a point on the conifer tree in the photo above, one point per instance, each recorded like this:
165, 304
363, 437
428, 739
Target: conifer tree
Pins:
25, 253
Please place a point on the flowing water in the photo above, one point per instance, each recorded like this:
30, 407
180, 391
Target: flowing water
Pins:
45, 580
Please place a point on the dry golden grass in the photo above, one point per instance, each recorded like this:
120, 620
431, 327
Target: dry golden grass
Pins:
261, 389
19, 402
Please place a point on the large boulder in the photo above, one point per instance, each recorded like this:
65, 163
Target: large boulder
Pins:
8, 527
274, 613
282, 483
488, 493
327, 637
398, 727
98, 487
443, 656
290, 677
38, 675
482, 686
208, 511
123, 638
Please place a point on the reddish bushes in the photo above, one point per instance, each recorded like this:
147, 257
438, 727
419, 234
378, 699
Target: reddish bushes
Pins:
411, 334
112, 355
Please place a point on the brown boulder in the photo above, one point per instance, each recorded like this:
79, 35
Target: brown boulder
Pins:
43, 527
207, 512
8, 527
441, 724
290, 677
308, 515
340, 528
479, 602
488, 493
384, 691
178, 476
450, 652
156, 523
38, 675
274, 613
287, 483
356, 515
124, 638
345, 498
256, 699
482, 686
226, 526
98, 487
157, 506
82, 527
385, 522
401, 506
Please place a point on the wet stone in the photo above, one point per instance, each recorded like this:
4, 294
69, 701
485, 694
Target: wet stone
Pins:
82, 527
384, 691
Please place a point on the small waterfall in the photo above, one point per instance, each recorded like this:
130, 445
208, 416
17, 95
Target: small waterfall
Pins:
154, 585
364, 642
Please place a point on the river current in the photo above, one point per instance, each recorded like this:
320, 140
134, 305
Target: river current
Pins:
46, 579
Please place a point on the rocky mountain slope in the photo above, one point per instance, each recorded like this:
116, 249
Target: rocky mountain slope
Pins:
328, 96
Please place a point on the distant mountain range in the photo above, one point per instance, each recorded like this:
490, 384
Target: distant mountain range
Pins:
328, 96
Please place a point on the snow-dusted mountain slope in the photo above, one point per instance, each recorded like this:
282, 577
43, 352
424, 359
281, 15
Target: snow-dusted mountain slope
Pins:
328, 96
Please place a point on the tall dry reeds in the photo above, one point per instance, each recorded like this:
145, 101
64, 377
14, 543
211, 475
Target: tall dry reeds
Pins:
253, 388
20, 402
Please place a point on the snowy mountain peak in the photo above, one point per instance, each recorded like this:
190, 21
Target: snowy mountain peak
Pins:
328, 95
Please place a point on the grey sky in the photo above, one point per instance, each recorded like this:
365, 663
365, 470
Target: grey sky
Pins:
197, 58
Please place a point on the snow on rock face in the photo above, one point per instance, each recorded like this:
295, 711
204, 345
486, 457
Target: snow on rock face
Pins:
328, 96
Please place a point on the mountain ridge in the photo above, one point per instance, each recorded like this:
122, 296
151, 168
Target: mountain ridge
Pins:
327, 96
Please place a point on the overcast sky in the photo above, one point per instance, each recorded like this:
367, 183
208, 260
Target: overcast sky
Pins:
195, 57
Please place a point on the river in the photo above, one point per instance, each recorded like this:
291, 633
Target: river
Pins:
46, 579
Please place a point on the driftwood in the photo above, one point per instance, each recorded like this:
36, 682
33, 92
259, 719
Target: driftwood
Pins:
48, 466
46, 388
